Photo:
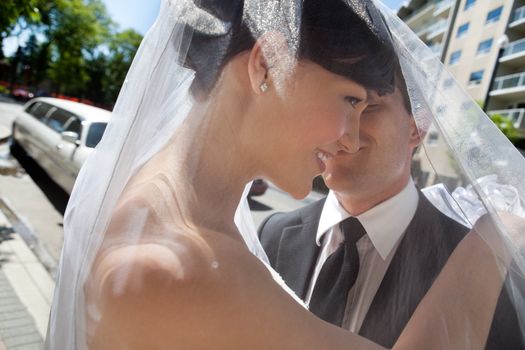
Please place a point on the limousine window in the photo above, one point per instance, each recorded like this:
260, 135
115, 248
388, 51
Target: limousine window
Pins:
75, 126
40, 110
58, 119
32, 106
96, 130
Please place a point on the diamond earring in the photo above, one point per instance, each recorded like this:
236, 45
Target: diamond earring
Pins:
263, 87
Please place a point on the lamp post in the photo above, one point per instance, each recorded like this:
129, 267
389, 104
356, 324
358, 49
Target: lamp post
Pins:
503, 43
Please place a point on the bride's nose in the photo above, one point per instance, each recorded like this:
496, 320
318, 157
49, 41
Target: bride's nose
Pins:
349, 142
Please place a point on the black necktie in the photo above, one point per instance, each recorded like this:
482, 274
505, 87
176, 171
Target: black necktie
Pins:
338, 275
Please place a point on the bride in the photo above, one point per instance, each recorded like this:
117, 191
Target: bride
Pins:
159, 254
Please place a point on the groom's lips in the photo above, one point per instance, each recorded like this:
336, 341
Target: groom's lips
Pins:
322, 166
342, 153
322, 157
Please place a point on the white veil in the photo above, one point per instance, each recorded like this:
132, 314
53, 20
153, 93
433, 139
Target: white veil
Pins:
157, 97
474, 169
87, 211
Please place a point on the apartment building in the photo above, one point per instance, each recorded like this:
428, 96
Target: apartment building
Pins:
472, 38
430, 20
482, 43
507, 92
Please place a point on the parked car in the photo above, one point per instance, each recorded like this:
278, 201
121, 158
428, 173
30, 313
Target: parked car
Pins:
21, 94
59, 135
259, 187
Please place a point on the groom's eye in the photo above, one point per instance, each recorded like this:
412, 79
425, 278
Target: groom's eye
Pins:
372, 107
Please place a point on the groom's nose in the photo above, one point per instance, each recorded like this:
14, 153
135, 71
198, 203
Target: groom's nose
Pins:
349, 142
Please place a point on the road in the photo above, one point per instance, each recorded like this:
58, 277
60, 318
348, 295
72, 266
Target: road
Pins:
7, 113
37, 204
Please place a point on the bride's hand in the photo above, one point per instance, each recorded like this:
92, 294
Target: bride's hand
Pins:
503, 233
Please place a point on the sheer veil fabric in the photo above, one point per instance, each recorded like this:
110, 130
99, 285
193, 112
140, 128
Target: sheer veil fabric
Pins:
474, 169
155, 114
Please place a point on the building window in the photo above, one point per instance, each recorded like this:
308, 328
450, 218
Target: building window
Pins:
484, 47
475, 78
494, 15
454, 57
432, 138
448, 83
462, 30
469, 4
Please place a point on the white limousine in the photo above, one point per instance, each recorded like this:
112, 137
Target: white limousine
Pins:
59, 135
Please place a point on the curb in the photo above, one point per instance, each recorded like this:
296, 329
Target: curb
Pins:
27, 233
27, 291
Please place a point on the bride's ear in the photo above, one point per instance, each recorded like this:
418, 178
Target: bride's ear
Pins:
264, 63
257, 68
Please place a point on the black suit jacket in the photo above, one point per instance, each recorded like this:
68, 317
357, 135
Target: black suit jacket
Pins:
289, 241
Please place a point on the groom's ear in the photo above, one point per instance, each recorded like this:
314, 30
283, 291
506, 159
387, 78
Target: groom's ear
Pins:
416, 135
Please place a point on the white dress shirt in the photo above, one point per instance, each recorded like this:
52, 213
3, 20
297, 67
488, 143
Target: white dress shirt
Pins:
385, 224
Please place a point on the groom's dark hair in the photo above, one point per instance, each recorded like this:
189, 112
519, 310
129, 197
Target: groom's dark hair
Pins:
352, 42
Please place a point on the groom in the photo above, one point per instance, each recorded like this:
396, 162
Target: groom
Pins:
372, 284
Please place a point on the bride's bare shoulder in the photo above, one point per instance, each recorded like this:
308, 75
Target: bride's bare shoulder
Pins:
150, 239
154, 271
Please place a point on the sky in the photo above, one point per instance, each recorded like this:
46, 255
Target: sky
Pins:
135, 14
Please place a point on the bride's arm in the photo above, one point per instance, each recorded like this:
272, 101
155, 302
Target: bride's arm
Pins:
457, 311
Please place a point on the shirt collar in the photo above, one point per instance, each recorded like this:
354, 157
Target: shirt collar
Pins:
384, 224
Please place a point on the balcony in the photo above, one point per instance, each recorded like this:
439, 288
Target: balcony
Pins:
442, 6
516, 115
514, 54
422, 32
514, 47
509, 87
437, 49
517, 22
437, 29
419, 14
518, 17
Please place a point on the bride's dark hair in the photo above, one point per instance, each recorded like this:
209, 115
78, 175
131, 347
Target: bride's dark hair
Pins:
352, 42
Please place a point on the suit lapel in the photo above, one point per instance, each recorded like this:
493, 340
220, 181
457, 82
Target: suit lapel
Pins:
297, 257
298, 250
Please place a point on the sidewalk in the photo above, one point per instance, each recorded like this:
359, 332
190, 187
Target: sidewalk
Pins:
26, 290
4, 133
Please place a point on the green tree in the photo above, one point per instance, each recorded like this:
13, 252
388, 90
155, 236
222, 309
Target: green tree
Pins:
75, 46
40, 63
506, 126
107, 70
122, 49
96, 89
12, 11
76, 30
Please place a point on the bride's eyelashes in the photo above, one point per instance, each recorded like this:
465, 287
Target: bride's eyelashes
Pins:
353, 100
